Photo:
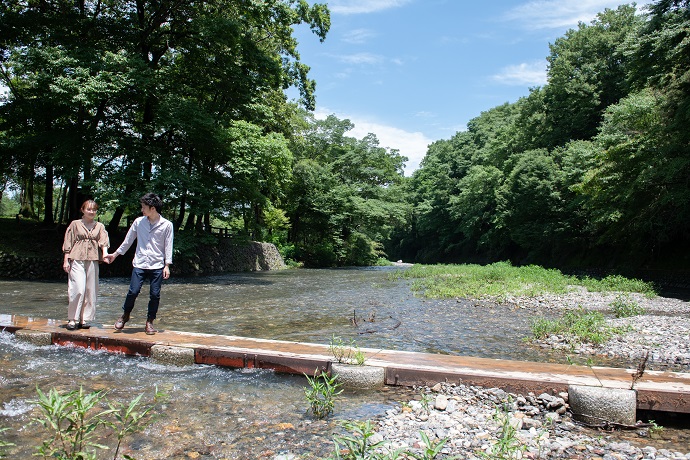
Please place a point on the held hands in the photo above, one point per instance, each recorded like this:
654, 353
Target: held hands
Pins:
108, 258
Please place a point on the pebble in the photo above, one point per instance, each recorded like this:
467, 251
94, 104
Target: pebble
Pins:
473, 430
662, 333
472, 417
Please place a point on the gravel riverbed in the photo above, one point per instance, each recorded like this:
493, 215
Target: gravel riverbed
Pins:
662, 332
480, 423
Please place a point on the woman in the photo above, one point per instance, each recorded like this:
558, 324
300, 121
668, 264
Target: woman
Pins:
86, 242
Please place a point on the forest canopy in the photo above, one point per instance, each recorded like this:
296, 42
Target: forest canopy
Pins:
115, 98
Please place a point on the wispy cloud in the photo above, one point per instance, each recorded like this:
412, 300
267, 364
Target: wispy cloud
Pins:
362, 58
358, 36
559, 14
363, 6
525, 74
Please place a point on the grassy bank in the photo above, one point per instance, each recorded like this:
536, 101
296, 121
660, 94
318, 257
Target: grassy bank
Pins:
501, 279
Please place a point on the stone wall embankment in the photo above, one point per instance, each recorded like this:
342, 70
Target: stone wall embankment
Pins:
208, 260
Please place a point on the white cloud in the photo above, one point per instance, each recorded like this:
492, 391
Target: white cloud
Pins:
413, 145
358, 36
361, 58
525, 74
560, 14
363, 6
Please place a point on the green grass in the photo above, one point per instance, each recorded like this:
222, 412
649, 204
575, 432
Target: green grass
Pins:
577, 326
501, 279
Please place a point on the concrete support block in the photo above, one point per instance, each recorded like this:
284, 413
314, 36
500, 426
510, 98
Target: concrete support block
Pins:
359, 377
177, 356
37, 338
596, 405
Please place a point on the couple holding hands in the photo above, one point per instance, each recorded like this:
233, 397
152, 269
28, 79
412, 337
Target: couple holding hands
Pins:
86, 244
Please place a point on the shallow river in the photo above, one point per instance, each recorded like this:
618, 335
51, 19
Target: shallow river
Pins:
222, 413
304, 305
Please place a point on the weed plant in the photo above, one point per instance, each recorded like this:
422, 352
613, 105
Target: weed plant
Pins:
507, 446
357, 445
430, 449
624, 307
346, 353
4, 444
500, 280
321, 393
77, 422
577, 326
425, 400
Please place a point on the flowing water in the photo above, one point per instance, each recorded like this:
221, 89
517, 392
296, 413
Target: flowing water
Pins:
241, 414
308, 306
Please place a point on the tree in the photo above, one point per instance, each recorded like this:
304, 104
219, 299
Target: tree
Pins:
119, 96
344, 201
530, 202
586, 74
640, 188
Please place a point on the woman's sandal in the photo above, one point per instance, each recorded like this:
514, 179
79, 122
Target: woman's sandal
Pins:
71, 325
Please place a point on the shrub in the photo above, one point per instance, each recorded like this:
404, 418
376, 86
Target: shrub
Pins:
624, 307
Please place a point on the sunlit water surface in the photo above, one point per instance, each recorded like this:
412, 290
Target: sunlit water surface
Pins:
308, 306
223, 413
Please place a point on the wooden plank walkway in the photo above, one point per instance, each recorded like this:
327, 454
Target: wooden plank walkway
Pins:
656, 390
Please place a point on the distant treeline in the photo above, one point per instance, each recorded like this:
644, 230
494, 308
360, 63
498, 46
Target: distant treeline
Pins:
113, 99
593, 168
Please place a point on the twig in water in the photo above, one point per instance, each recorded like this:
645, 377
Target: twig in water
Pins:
640, 370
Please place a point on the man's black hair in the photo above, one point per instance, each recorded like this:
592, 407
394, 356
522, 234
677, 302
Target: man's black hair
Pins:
153, 200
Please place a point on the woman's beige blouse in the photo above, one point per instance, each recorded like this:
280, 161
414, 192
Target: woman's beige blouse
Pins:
82, 244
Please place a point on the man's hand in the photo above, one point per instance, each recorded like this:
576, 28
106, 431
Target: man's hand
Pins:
109, 258
166, 272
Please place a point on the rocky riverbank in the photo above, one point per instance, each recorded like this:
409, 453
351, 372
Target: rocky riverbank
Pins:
662, 332
480, 423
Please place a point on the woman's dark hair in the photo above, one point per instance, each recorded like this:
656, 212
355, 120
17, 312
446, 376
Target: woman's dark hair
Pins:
89, 204
153, 200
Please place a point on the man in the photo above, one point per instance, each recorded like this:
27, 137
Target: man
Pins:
152, 259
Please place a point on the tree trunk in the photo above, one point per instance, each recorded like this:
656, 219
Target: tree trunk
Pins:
190, 221
26, 197
48, 198
73, 200
115, 221
180, 217
63, 203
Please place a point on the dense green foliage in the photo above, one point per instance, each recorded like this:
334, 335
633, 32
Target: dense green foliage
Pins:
114, 98
593, 168
501, 279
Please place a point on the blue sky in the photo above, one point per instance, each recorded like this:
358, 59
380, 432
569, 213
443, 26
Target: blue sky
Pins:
416, 71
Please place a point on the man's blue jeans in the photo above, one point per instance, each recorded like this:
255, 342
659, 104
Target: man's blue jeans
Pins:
155, 277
